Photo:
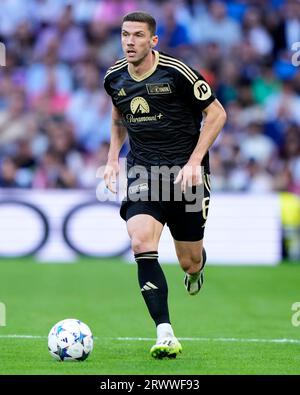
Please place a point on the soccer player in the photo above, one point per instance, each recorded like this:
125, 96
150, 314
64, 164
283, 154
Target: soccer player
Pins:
159, 102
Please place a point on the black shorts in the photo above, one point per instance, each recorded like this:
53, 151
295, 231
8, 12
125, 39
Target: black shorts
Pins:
185, 214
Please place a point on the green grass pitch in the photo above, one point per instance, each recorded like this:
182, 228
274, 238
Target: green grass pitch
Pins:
229, 328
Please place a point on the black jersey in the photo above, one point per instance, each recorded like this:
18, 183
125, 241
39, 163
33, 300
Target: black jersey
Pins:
162, 110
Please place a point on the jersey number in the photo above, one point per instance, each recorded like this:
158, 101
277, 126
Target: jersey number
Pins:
205, 206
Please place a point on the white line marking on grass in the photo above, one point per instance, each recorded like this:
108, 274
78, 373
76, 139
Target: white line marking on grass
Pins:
216, 339
201, 339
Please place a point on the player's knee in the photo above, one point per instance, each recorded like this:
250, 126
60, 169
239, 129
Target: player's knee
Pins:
141, 243
190, 264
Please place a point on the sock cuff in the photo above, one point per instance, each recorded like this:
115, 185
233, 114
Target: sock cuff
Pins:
146, 255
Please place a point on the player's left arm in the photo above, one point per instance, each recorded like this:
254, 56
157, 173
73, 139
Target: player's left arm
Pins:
200, 98
215, 118
214, 121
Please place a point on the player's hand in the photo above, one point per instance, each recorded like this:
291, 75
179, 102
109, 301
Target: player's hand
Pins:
110, 175
190, 175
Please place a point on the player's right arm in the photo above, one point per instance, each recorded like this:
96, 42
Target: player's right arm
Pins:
118, 137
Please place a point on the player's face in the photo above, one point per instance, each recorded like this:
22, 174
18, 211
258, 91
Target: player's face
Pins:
137, 41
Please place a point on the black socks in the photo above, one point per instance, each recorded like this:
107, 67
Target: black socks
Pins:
153, 285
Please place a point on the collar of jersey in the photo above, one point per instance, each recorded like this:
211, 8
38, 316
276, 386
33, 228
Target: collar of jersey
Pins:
149, 72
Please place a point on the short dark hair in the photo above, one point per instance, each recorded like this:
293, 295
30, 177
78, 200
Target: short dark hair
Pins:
141, 16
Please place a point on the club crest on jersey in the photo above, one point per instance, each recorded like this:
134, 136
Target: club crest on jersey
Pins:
158, 89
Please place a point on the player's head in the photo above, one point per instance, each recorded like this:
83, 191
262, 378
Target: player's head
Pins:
138, 35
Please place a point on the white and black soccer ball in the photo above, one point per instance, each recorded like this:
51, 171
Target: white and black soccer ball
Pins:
70, 340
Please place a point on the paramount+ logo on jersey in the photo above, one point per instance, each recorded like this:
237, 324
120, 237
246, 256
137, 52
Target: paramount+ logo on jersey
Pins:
138, 107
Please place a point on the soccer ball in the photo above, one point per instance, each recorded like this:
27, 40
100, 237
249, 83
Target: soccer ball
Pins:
70, 340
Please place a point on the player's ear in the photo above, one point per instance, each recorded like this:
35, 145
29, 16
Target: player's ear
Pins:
154, 41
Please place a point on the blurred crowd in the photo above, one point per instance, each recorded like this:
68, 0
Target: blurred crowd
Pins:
55, 114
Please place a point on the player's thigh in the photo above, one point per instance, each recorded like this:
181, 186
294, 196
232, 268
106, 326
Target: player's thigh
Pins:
186, 226
144, 231
187, 219
188, 252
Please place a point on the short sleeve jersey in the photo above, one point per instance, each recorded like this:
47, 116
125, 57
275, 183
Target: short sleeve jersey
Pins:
162, 110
